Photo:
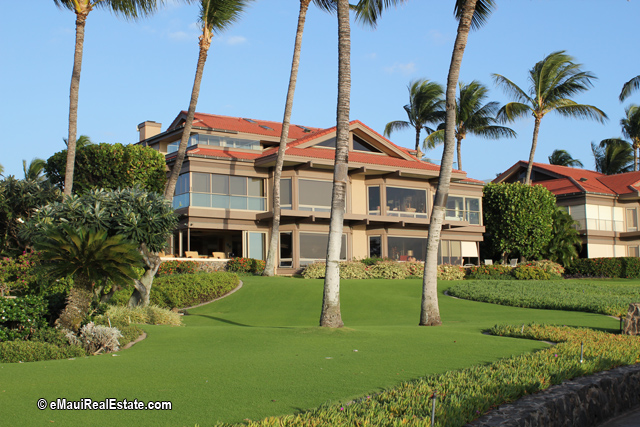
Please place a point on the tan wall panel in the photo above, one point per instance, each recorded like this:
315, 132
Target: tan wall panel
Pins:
360, 243
358, 196
599, 251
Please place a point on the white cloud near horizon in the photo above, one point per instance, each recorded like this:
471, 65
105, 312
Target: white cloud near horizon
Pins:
404, 69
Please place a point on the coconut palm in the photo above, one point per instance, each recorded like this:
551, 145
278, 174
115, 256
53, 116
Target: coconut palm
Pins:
33, 172
563, 158
629, 87
473, 117
565, 240
613, 156
631, 129
470, 14
129, 9
327, 5
426, 106
215, 16
552, 82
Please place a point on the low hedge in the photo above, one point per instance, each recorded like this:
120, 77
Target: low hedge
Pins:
622, 267
531, 270
33, 351
19, 317
383, 269
245, 265
465, 395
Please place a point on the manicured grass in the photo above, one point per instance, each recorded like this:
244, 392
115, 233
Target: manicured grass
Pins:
610, 297
258, 353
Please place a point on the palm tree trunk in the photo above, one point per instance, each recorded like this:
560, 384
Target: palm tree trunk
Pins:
331, 316
205, 43
417, 138
270, 264
459, 148
534, 143
81, 19
430, 311
635, 157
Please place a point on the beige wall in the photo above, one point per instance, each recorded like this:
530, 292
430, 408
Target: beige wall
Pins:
360, 242
358, 195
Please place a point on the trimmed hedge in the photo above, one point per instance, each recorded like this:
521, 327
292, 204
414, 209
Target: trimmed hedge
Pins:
386, 269
168, 268
185, 290
622, 267
531, 270
245, 265
33, 351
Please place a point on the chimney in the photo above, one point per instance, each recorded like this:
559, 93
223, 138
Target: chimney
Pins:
148, 129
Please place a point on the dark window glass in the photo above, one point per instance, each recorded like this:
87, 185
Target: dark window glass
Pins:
314, 246
285, 192
361, 145
375, 246
238, 185
406, 200
402, 248
286, 249
374, 200
314, 193
220, 184
328, 143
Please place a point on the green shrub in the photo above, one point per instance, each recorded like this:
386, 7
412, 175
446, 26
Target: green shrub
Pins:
490, 272
185, 290
314, 270
388, 270
50, 335
33, 351
450, 272
245, 265
626, 267
353, 270
530, 272
168, 268
151, 314
20, 317
373, 260
19, 274
554, 269
414, 268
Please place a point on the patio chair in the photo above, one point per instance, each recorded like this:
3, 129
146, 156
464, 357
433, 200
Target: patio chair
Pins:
217, 255
513, 262
191, 254
488, 262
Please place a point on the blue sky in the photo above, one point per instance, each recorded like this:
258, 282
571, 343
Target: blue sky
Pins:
143, 70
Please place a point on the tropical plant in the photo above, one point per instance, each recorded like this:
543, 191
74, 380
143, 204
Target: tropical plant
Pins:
426, 106
629, 87
472, 117
631, 129
129, 9
215, 16
1, 170
327, 5
470, 14
33, 172
552, 82
565, 239
613, 156
563, 158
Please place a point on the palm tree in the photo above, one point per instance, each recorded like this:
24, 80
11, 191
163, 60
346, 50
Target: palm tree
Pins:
1, 170
470, 14
629, 87
473, 117
426, 106
563, 158
631, 129
613, 156
551, 82
33, 172
328, 5
129, 9
215, 16
565, 239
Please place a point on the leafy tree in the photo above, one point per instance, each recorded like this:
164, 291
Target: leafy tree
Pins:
563, 158
144, 218
328, 5
552, 82
130, 9
33, 172
473, 117
19, 199
110, 166
426, 106
215, 16
518, 218
613, 156
470, 14
631, 129
629, 87
565, 239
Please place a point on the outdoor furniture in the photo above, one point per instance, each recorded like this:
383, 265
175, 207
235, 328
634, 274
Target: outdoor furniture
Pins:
488, 262
217, 255
513, 262
191, 254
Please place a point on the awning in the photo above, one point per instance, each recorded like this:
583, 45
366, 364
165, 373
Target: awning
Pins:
469, 249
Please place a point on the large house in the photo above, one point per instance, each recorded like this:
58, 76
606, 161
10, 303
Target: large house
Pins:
224, 193
605, 207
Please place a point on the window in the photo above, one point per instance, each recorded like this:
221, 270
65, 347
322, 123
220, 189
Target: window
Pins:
375, 246
406, 202
227, 192
181, 194
313, 247
374, 200
361, 145
329, 143
255, 245
632, 220
450, 252
314, 195
463, 209
633, 251
285, 193
403, 248
216, 141
286, 249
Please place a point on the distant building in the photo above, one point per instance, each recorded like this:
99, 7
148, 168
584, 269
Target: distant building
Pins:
224, 193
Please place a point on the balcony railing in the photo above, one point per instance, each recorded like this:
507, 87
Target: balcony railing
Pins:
472, 217
219, 201
600, 225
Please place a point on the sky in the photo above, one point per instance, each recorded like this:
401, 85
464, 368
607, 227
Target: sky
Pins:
141, 70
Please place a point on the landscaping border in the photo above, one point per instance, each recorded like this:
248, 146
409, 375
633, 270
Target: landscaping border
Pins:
216, 299
585, 401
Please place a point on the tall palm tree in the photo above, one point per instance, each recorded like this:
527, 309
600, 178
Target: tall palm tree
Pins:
552, 82
327, 5
613, 156
33, 172
426, 106
215, 16
563, 158
473, 117
129, 9
629, 87
470, 14
631, 129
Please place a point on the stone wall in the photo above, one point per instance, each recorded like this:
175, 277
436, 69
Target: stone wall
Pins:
581, 402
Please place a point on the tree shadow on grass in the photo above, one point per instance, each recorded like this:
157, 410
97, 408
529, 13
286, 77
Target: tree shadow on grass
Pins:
231, 322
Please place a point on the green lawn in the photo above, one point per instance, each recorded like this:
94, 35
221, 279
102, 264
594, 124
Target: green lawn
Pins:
258, 353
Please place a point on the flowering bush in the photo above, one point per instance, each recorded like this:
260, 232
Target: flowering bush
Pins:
245, 265
450, 272
553, 268
490, 272
176, 267
20, 317
18, 274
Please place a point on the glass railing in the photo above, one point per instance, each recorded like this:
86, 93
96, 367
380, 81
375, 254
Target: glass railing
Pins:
456, 215
219, 201
181, 201
314, 208
408, 214
217, 141
599, 225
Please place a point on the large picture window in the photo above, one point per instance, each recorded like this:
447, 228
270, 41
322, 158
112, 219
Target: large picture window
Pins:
406, 248
181, 194
286, 249
314, 195
313, 247
463, 209
406, 202
227, 192
450, 252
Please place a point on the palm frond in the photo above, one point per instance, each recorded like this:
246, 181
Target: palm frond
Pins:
368, 12
218, 15
569, 108
563, 158
613, 156
128, 9
512, 111
511, 89
395, 126
629, 87
493, 132
434, 139
326, 5
484, 9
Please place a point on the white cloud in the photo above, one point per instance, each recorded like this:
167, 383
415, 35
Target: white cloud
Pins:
234, 40
404, 69
437, 38
179, 36
372, 55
